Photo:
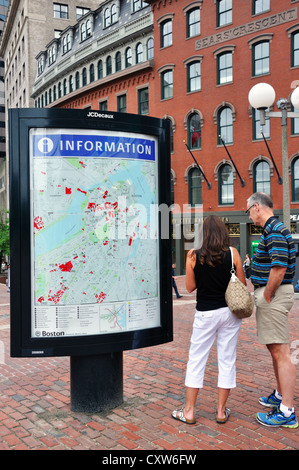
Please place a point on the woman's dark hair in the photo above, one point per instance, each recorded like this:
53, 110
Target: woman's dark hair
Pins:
215, 241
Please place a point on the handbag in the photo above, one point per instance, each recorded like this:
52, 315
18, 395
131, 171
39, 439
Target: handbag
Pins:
238, 298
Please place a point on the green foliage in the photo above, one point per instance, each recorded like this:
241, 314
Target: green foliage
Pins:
4, 234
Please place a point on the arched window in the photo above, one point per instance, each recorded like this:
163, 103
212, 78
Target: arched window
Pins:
193, 76
91, 73
64, 87
113, 14
194, 131
59, 90
194, 186
150, 49
295, 180
226, 185
128, 57
77, 80
107, 18
83, 31
261, 58
166, 33
84, 77
225, 125
108, 65
71, 87
193, 22
139, 53
117, 62
261, 177
100, 69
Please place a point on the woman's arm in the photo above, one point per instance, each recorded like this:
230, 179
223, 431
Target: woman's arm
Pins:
190, 276
239, 267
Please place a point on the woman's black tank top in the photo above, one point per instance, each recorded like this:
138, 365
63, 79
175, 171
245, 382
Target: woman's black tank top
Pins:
211, 283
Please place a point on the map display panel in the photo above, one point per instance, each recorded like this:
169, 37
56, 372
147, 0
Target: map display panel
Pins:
95, 240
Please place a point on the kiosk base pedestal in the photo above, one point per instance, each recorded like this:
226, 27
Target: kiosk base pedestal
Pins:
96, 382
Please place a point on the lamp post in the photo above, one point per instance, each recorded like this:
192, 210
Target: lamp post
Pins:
262, 96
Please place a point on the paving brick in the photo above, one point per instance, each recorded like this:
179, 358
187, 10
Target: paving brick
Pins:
35, 398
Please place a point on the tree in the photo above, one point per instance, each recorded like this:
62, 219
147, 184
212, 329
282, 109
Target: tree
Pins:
4, 235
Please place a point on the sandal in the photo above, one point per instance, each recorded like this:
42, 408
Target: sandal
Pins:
223, 420
179, 415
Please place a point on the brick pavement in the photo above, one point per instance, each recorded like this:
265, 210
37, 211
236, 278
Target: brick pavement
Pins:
35, 398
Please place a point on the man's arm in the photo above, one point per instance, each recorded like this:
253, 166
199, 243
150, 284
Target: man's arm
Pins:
275, 279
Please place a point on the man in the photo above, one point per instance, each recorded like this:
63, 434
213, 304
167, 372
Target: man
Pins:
272, 275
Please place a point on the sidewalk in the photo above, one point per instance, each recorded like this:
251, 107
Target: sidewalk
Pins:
35, 397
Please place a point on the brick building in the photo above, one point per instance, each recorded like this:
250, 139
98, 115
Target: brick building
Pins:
207, 57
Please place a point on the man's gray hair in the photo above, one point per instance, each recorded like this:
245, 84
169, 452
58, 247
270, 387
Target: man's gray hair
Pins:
262, 199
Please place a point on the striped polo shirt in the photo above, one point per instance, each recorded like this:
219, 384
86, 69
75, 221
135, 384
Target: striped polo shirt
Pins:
276, 248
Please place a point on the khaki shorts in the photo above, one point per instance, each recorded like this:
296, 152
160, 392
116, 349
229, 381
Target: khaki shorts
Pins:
272, 318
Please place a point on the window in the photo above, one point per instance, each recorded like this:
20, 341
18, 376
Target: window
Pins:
117, 62
194, 131
61, 11
194, 187
193, 22
295, 123
261, 58
261, 175
295, 49
225, 125
113, 14
259, 6
224, 12
224, 68
193, 76
54, 93
91, 73
59, 90
122, 104
66, 43
143, 101
52, 55
77, 79
108, 65
100, 69
64, 87
150, 49
71, 83
81, 11
295, 180
107, 18
166, 33
128, 57
84, 77
257, 125
226, 185
104, 105
138, 4
83, 31
139, 53
167, 84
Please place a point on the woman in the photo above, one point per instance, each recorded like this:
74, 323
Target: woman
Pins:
208, 271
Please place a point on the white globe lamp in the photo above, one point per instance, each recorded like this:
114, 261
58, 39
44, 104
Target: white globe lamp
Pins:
261, 96
295, 98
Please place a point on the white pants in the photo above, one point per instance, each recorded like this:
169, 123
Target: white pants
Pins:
207, 325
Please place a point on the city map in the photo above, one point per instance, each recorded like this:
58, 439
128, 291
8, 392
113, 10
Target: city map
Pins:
94, 233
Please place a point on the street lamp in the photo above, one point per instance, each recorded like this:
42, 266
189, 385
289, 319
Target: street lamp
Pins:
262, 96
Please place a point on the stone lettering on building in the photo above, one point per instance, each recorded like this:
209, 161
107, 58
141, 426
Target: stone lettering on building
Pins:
248, 28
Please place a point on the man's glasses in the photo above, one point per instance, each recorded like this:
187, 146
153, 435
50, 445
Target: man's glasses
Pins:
246, 212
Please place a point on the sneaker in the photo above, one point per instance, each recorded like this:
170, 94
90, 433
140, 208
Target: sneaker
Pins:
276, 418
271, 401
